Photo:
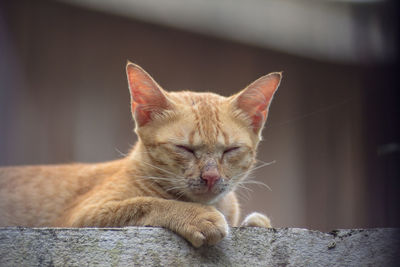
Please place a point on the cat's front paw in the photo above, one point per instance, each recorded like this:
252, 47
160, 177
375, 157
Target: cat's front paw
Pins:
208, 227
256, 219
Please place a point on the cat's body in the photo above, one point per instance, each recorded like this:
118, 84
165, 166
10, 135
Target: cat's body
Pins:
37, 196
193, 150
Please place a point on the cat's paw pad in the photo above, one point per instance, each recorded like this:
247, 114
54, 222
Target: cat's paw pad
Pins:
206, 229
256, 219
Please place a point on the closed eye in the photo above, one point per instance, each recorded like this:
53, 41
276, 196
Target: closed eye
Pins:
185, 148
231, 149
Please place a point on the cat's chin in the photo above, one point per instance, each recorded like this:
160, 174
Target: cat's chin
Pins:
201, 193
206, 197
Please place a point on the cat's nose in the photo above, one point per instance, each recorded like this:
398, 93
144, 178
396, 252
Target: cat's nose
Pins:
211, 177
210, 174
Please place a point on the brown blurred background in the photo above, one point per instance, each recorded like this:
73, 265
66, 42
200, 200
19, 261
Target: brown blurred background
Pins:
333, 126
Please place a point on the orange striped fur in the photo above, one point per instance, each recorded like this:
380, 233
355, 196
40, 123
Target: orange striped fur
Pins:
193, 150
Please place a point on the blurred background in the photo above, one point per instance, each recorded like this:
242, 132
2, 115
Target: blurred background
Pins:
333, 126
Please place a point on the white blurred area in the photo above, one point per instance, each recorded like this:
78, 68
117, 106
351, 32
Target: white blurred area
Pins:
351, 31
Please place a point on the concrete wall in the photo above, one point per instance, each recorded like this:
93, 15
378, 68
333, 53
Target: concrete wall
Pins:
145, 246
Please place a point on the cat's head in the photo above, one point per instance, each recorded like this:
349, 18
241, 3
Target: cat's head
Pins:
199, 145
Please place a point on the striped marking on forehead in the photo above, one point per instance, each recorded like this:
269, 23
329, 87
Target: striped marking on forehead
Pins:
208, 126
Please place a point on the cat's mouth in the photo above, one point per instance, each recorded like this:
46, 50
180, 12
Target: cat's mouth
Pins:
201, 191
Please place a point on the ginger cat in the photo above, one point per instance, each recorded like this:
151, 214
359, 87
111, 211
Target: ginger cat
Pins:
193, 149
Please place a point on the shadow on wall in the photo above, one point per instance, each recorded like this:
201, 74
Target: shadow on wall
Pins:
64, 98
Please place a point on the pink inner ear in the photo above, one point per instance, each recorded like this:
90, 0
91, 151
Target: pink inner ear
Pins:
142, 117
256, 98
146, 95
258, 120
255, 107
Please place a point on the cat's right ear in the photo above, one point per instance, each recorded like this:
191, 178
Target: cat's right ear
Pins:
147, 98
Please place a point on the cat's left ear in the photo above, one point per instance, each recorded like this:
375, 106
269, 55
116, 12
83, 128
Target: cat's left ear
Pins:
255, 99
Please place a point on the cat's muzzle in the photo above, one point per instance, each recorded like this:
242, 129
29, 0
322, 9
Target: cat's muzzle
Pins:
208, 187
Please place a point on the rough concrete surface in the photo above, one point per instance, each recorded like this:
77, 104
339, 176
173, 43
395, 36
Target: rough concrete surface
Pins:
145, 246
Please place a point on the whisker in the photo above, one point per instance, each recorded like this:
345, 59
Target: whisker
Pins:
152, 182
253, 169
256, 182
312, 113
121, 154
157, 178
271, 162
143, 152
244, 187
243, 193
180, 194
175, 187
263, 165
161, 169
176, 139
